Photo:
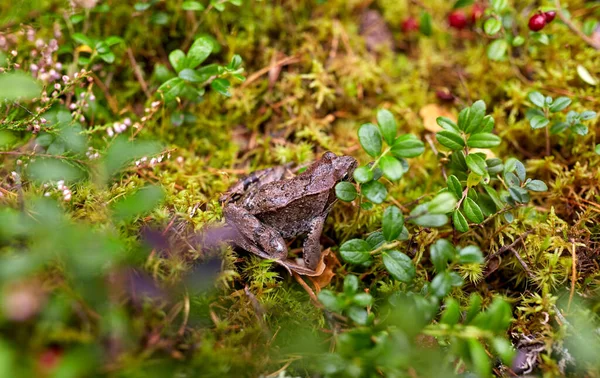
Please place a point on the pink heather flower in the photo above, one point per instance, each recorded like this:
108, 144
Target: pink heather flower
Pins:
110, 132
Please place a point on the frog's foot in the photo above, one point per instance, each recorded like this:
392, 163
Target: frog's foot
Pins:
312, 246
255, 236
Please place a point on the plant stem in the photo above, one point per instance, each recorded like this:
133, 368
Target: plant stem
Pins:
574, 28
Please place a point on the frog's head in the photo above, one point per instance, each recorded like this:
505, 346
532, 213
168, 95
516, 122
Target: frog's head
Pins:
343, 166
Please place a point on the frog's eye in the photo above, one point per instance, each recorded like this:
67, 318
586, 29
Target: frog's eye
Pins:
346, 176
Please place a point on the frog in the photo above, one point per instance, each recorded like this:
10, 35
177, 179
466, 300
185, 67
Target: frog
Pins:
273, 205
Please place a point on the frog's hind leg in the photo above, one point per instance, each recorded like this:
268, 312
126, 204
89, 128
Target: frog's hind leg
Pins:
255, 236
312, 245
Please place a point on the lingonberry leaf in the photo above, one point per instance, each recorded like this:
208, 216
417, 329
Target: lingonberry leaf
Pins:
450, 139
483, 140
374, 191
369, 137
387, 124
399, 265
460, 222
392, 223
345, 191
537, 99
472, 210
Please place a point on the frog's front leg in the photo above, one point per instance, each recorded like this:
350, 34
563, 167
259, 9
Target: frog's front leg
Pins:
312, 244
255, 236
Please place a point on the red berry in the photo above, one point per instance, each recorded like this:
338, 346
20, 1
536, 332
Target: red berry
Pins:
457, 19
549, 16
410, 25
48, 360
476, 12
537, 22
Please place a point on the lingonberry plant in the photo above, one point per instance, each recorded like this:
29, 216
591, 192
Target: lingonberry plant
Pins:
547, 111
475, 174
192, 80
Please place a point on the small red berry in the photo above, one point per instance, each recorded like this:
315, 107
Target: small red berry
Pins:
537, 22
457, 19
410, 25
476, 12
550, 15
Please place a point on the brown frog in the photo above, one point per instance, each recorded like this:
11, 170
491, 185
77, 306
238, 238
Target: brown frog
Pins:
272, 205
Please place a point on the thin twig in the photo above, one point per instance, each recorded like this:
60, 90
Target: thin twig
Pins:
138, 72
511, 245
522, 262
573, 276
283, 62
574, 28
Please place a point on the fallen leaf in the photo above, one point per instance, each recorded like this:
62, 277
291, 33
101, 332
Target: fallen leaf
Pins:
331, 262
430, 112
585, 75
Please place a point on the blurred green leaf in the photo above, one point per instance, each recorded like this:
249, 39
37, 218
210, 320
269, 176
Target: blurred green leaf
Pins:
198, 52
442, 203
138, 203
497, 50
350, 284
17, 85
122, 152
560, 104
451, 314
345, 191
177, 60
470, 255
442, 252
44, 170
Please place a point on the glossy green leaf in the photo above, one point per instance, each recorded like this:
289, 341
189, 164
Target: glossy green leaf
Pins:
474, 308
460, 222
392, 223
388, 126
425, 24
472, 211
538, 122
198, 52
476, 164
560, 104
442, 203
374, 191
454, 186
369, 137
399, 266
407, 146
345, 191
355, 251
536, 186
363, 174
447, 124
483, 140
450, 139
177, 60
537, 99
391, 167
